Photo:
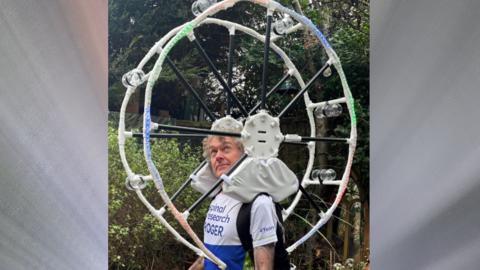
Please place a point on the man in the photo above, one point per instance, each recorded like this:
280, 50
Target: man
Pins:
220, 232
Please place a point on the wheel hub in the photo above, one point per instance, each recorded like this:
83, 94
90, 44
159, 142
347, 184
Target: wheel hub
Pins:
262, 136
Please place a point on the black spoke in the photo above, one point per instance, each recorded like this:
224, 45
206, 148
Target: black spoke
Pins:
230, 67
309, 84
185, 185
220, 181
265, 61
200, 131
312, 202
296, 143
273, 91
190, 89
323, 139
219, 78
171, 136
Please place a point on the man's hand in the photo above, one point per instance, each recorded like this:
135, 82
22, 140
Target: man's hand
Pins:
263, 256
198, 264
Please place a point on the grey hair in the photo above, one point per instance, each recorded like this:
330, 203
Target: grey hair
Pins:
209, 138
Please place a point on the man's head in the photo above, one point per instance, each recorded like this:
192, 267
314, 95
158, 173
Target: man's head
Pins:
222, 152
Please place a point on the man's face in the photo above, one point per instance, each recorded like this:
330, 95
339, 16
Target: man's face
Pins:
223, 155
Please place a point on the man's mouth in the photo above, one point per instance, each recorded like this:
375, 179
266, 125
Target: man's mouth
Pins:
221, 166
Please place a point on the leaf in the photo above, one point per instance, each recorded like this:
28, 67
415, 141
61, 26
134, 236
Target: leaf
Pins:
135, 40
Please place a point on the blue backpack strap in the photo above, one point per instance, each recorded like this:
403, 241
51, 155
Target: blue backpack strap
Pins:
281, 260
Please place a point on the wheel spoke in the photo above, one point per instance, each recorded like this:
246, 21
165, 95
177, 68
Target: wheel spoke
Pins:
185, 185
265, 60
190, 89
171, 136
296, 143
309, 84
296, 138
200, 131
273, 91
312, 202
322, 139
219, 78
230, 67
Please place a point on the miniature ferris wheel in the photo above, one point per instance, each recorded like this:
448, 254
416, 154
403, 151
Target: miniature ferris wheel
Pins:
260, 132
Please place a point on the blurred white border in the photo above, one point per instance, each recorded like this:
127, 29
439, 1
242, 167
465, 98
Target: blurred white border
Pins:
425, 147
53, 134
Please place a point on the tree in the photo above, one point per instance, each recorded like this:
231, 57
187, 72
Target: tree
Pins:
134, 27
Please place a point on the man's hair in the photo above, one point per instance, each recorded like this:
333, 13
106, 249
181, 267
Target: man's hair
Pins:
209, 138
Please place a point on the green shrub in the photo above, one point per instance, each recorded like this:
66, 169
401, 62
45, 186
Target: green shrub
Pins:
136, 239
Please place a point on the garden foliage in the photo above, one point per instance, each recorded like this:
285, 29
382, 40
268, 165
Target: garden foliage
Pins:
136, 239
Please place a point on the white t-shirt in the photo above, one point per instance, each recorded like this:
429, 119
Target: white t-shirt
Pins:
220, 229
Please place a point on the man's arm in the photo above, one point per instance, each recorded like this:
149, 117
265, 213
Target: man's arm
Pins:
263, 256
198, 264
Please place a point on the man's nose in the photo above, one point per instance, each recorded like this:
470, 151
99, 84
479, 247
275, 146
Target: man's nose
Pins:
219, 155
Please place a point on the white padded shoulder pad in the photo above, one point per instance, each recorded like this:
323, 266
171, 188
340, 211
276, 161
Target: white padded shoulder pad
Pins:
254, 176
205, 180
